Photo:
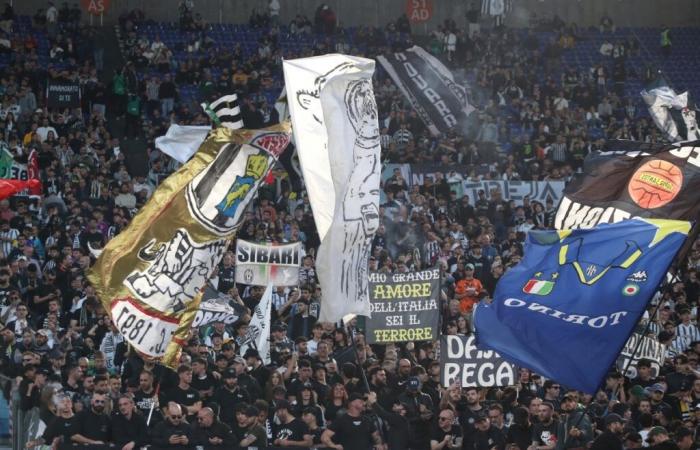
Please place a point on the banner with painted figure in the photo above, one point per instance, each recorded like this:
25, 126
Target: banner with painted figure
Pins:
216, 306
430, 87
263, 264
461, 361
405, 307
150, 276
336, 131
585, 288
633, 179
650, 349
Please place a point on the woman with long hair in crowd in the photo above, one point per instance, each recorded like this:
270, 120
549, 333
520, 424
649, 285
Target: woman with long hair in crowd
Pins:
274, 381
337, 402
306, 398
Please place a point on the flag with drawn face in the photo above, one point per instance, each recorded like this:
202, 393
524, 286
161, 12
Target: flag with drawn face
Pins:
151, 276
336, 131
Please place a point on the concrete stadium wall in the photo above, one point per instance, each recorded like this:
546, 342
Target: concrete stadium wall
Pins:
379, 12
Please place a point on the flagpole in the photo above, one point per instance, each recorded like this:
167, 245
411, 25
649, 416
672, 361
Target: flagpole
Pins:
680, 258
352, 331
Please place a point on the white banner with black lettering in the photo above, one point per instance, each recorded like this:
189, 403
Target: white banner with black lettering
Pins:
336, 130
430, 87
263, 264
258, 336
650, 349
461, 361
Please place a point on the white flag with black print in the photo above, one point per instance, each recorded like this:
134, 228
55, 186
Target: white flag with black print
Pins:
673, 113
259, 328
225, 112
336, 130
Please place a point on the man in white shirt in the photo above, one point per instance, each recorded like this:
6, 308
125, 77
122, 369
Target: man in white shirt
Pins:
43, 130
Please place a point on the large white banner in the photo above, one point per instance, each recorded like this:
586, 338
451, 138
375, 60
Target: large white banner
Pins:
336, 131
263, 264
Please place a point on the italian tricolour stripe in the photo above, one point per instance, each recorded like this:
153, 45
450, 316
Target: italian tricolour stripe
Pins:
538, 287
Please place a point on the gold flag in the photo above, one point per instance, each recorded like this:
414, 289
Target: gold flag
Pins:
151, 276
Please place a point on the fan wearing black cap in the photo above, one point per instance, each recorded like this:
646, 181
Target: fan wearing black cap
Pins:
611, 439
30, 387
228, 395
291, 432
353, 430
419, 411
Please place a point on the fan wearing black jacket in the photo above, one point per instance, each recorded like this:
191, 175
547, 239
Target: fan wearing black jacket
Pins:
210, 433
129, 429
174, 432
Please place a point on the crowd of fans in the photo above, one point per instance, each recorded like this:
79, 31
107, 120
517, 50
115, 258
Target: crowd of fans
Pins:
70, 365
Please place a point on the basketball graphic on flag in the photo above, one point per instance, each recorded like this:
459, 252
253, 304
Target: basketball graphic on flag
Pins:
655, 183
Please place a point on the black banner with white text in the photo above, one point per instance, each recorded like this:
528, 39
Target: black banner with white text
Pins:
462, 362
430, 87
404, 307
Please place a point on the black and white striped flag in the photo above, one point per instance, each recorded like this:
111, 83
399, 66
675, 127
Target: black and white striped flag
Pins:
496, 7
673, 113
225, 112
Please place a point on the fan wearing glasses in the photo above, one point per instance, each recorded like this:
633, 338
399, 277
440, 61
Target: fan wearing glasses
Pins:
93, 426
447, 435
174, 432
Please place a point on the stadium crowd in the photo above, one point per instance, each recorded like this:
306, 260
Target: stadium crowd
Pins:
70, 364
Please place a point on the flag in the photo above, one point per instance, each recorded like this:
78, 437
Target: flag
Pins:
573, 331
259, 328
496, 7
225, 112
633, 179
33, 173
289, 159
150, 276
263, 264
216, 306
336, 132
673, 114
182, 141
430, 87
9, 188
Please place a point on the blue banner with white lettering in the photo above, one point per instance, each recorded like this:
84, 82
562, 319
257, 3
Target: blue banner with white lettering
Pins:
568, 308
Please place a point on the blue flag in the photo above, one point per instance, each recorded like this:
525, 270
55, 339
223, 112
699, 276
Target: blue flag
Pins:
568, 308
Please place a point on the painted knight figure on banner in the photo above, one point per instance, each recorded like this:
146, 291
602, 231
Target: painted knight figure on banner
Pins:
151, 276
336, 130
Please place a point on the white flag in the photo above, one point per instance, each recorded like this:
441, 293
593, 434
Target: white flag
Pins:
336, 130
672, 113
182, 141
259, 328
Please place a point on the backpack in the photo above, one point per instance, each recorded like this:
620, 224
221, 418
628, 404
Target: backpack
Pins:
133, 105
119, 84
